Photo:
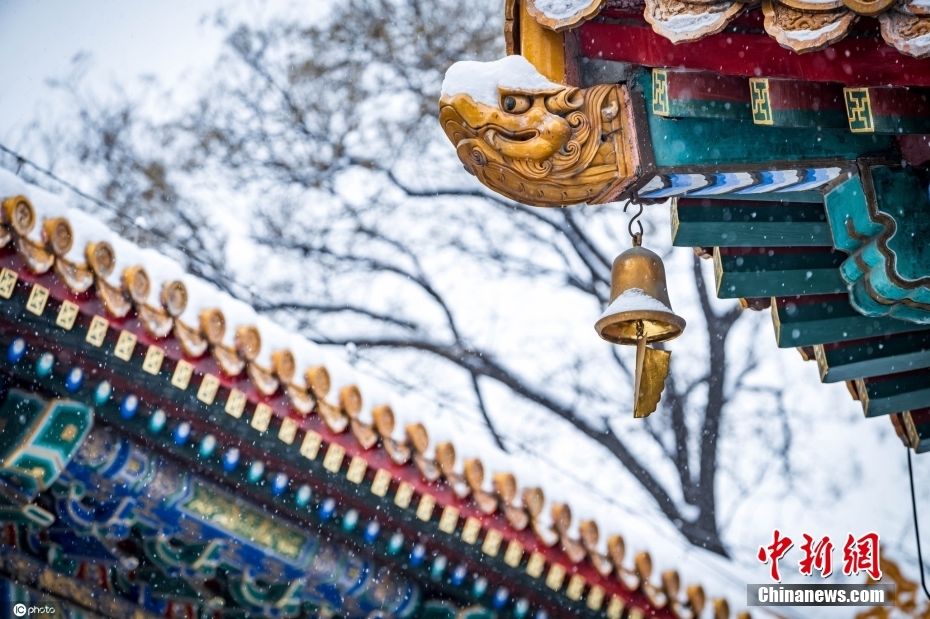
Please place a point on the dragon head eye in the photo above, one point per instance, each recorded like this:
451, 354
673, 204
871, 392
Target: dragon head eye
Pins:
516, 104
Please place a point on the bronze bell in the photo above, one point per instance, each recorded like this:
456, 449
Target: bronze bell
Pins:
640, 313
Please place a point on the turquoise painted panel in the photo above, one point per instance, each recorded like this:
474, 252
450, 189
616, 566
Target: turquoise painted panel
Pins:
39, 438
883, 220
795, 197
718, 142
847, 212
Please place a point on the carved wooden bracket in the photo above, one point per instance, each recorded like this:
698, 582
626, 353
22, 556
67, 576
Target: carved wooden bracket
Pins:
882, 218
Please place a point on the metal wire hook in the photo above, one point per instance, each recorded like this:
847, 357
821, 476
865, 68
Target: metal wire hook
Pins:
637, 236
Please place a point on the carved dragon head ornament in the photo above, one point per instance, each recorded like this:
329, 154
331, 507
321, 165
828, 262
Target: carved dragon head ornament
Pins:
537, 141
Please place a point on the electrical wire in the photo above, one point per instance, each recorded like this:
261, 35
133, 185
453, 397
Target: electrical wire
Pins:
920, 557
56, 183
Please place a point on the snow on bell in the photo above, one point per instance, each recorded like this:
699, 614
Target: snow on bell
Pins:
640, 313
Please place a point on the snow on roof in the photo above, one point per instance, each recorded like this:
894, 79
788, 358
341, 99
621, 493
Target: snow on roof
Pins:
643, 530
482, 81
563, 9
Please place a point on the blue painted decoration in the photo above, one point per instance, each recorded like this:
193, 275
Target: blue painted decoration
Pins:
16, 350
74, 379
231, 460
129, 406
44, 364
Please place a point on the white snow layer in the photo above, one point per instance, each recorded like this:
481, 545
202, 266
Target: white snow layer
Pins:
688, 23
813, 35
635, 299
482, 81
562, 9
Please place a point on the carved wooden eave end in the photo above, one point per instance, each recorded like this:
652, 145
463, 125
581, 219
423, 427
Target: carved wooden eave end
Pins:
561, 16
536, 141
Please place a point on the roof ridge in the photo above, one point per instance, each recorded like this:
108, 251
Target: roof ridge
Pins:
51, 252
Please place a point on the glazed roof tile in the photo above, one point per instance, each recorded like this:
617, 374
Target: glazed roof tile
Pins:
226, 344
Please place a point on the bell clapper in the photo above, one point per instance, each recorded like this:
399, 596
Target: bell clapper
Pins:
640, 365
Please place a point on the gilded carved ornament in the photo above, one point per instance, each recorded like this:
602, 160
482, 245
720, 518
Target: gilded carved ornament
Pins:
537, 141
799, 25
554, 16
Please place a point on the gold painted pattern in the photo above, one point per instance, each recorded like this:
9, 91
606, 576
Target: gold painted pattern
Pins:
556, 577
310, 446
575, 587
97, 331
449, 520
425, 508
595, 597
69, 433
357, 467
492, 542
761, 103
8, 278
245, 522
37, 299
125, 345
535, 565
859, 110
235, 404
261, 418
514, 553
660, 92
332, 462
67, 314
209, 385
615, 608
404, 495
288, 431
381, 483
181, 378
154, 357
471, 530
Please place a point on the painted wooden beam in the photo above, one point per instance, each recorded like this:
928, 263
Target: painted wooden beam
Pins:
887, 109
873, 357
915, 148
698, 94
722, 223
917, 427
854, 61
894, 393
777, 271
820, 319
795, 103
784, 197
714, 145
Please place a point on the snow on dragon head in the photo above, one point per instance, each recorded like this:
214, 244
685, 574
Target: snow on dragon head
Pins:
534, 140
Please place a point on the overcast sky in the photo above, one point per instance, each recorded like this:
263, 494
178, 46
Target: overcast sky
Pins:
125, 40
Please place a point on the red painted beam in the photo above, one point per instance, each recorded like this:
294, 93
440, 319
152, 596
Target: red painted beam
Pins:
861, 59
706, 86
